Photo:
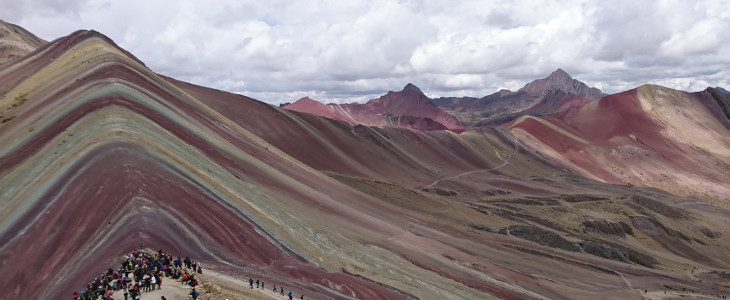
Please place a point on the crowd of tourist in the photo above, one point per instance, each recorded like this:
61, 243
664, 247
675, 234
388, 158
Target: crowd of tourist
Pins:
144, 270
139, 272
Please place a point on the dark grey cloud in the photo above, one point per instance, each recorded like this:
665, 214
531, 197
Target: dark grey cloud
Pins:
278, 51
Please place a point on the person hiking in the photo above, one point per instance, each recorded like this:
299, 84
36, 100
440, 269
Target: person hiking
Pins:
289, 295
148, 283
158, 278
194, 293
262, 285
282, 290
257, 283
125, 290
250, 282
153, 282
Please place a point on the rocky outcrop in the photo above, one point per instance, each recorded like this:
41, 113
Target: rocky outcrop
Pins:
607, 227
541, 236
710, 233
582, 198
722, 98
618, 252
659, 207
603, 250
652, 227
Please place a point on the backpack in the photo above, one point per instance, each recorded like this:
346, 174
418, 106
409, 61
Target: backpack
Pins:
196, 294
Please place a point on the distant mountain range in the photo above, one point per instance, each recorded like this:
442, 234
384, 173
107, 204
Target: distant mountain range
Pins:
410, 108
557, 93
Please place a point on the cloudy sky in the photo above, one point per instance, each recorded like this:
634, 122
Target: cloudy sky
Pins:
354, 50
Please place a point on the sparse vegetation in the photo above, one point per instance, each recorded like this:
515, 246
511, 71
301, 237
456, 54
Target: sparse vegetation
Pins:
20, 99
8, 119
581, 198
440, 192
709, 233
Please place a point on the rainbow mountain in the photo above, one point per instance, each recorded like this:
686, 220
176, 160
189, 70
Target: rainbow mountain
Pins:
98, 154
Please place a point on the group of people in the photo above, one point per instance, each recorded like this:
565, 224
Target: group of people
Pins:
281, 288
147, 270
143, 271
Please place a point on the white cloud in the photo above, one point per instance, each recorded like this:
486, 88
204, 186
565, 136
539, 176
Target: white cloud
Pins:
464, 81
338, 51
703, 37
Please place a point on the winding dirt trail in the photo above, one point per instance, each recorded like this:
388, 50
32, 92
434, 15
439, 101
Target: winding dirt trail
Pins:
233, 289
170, 288
506, 162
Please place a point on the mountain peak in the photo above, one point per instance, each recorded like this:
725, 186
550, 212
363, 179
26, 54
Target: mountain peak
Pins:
559, 74
306, 99
304, 104
559, 80
410, 87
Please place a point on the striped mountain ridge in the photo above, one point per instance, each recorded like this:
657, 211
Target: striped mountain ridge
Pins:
98, 154
651, 135
109, 143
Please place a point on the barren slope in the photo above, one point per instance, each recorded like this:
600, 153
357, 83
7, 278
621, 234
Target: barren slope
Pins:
650, 136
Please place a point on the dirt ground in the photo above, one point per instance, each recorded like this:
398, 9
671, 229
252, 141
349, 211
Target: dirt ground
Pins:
214, 286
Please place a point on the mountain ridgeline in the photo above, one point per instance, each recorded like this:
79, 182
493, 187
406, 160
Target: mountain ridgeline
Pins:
408, 108
557, 93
